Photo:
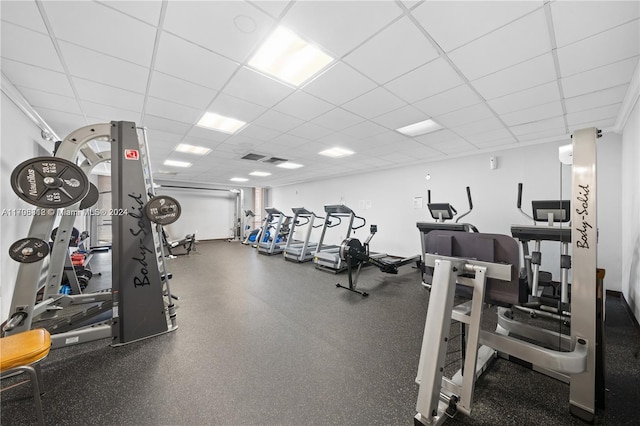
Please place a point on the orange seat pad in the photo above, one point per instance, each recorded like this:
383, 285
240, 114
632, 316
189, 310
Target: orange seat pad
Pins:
24, 348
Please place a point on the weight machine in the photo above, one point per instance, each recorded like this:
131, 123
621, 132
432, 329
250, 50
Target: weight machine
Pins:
140, 281
489, 265
357, 254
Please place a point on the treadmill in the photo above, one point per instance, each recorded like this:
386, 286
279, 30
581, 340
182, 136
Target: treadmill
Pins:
274, 227
301, 251
327, 257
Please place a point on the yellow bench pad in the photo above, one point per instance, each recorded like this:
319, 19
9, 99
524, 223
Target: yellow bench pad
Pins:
24, 348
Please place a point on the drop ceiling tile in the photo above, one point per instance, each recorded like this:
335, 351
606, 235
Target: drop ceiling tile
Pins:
465, 115
33, 48
554, 132
610, 46
574, 20
398, 49
212, 136
400, 117
133, 40
613, 95
599, 124
232, 29
177, 57
519, 77
230, 106
593, 115
158, 137
338, 119
481, 126
351, 22
365, 129
259, 132
454, 147
536, 113
496, 143
434, 77
517, 42
600, 78
99, 113
165, 125
410, 4
339, 84
451, 100
254, 87
528, 98
172, 110
538, 126
278, 121
422, 153
104, 69
388, 137
287, 139
108, 95
374, 103
310, 131
38, 98
438, 137
303, 106
182, 92
453, 24
273, 8
147, 11
54, 115
36, 78
23, 13
491, 137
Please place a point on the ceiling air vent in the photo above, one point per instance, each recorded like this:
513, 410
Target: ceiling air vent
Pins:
274, 160
253, 157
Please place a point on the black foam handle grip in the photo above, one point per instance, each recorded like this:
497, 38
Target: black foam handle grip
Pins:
519, 195
469, 198
429, 196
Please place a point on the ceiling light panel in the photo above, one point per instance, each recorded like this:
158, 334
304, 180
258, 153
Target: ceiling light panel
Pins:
287, 57
175, 163
260, 174
290, 165
238, 179
420, 128
336, 152
191, 149
213, 121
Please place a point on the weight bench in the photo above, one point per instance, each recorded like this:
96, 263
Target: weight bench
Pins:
20, 353
187, 243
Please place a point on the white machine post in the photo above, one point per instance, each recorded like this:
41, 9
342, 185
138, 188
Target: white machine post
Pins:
584, 240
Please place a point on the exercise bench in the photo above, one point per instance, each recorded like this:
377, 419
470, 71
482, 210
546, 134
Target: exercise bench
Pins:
20, 353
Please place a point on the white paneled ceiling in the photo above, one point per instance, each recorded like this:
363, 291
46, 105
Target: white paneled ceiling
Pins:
494, 74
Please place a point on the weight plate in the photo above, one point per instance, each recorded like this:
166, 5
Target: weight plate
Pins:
29, 250
91, 199
163, 210
49, 182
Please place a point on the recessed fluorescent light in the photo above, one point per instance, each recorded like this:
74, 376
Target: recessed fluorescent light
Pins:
166, 172
420, 128
175, 163
336, 152
261, 174
191, 149
238, 179
286, 56
290, 165
214, 121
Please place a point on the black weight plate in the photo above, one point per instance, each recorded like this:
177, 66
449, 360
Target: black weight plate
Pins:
29, 250
163, 210
49, 182
91, 199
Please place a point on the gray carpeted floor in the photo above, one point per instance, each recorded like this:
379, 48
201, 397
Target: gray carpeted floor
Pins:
269, 342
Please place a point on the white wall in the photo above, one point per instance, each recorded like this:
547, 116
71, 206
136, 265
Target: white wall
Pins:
19, 142
631, 211
390, 194
208, 213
